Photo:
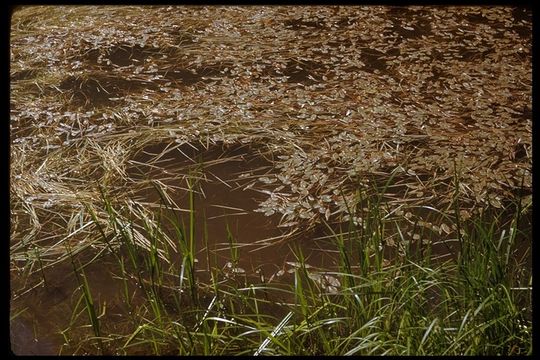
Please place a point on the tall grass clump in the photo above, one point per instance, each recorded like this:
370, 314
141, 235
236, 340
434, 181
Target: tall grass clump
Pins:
374, 302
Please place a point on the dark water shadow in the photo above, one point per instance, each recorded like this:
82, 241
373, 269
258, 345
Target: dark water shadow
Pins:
100, 89
49, 308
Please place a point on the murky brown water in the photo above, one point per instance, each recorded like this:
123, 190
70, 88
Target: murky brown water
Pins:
46, 310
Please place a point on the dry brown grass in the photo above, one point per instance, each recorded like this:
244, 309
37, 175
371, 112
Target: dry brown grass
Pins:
315, 90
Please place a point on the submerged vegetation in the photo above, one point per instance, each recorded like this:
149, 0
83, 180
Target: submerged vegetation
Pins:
271, 180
